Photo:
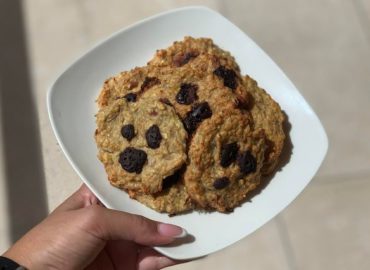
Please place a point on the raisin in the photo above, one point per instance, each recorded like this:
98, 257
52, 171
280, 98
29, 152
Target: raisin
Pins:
181, 59
228, 76
190, 124
201, 111
148, 83
221, 183
242, 103
153, 113
165, 101
187, 94
132, 160
198, 113
247, 163
229, 153
128, 132
130, 97
132, 84
153, 137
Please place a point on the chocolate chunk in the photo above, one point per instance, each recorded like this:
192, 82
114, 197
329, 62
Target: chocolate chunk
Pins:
187, 93
132, 160
247, 163
228, 76
198, 113
148, 83
130, 97
153, 137
128, 132
229, 153
221, 183
181, 59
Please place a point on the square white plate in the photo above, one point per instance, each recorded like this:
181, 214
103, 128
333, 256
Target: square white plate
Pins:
71, 106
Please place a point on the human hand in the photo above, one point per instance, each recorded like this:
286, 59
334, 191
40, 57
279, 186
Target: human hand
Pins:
81, 233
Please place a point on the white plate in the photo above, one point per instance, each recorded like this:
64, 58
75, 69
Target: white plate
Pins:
71, 106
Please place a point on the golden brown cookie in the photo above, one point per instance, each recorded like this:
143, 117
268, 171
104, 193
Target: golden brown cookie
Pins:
267, 115
181, 86
225, 159
140, 143
185, 88
173, 199
183, 52
219, 127
186, 53
128, 85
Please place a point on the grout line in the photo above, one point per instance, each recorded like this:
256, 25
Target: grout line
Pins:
286, 243
363, 17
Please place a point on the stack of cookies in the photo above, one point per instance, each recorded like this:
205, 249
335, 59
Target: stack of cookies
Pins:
188, 131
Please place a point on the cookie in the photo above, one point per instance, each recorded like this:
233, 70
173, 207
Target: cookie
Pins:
173, 199
183, 52
194, 91
225, 159
267, 115
187, 131
140, 143
205, 69
200, 84
128, 85
187, 53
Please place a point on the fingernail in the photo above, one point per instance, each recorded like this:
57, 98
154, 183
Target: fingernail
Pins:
171, 230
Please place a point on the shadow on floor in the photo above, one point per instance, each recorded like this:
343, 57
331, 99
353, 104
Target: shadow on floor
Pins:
25, 181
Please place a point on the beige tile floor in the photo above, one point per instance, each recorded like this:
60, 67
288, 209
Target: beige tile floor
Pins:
323, 46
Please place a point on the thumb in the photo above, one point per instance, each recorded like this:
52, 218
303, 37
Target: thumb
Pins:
116, 225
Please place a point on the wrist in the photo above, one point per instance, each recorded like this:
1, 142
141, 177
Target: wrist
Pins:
9, 264
17, 258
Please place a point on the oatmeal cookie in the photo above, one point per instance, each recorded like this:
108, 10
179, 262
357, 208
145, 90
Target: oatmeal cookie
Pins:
140, 143
183, 52
267, 115
200, 84
181, 86
173, 199
225, 159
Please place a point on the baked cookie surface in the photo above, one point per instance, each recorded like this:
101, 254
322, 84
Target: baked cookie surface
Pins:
140, 143
225, 159
267, 115
183, 52
181, 85
173, 199
188, 89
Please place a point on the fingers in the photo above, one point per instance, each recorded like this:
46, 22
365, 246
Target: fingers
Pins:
83, 197
116, 225
149, 259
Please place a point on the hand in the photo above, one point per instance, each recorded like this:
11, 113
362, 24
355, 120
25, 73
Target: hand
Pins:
81, 233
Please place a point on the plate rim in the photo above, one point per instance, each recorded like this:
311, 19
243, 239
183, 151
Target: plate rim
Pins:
88, 51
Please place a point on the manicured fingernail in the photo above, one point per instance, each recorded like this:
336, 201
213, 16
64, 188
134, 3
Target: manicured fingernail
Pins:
171, 230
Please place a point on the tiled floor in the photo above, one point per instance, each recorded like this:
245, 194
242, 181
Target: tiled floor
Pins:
323, 46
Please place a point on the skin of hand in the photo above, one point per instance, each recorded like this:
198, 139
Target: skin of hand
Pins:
83, 234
